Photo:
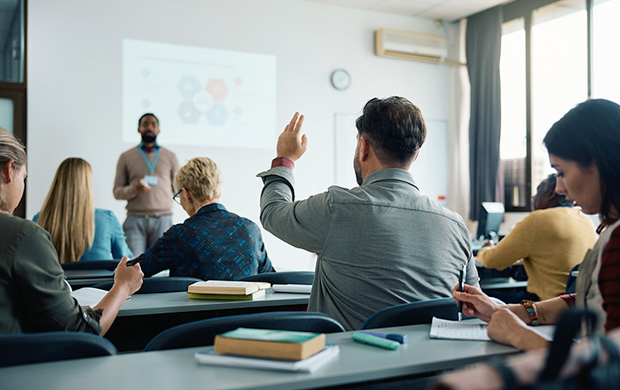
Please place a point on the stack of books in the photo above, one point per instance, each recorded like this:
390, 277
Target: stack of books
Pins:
227, 290
272, 349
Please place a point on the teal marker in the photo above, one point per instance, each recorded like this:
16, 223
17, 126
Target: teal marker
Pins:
374, 340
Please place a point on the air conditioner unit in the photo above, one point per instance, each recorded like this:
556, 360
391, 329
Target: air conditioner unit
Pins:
410, 45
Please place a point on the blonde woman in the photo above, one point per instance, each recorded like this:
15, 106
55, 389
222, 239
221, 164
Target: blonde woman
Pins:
33, 294
213, 243
78, 230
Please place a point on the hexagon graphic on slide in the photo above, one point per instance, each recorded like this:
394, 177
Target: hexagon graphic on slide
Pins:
203, 101
188, 113
217, 88
217, 115
188, 86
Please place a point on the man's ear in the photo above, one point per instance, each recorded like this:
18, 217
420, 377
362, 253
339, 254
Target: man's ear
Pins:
364, 149
7, 172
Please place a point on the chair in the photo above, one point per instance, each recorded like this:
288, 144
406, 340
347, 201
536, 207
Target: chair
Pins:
157, 285
288, 277
203, 332
29, 348
571, 282
109, 265
413, 313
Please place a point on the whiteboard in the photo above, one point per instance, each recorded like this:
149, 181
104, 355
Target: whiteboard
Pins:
430, 171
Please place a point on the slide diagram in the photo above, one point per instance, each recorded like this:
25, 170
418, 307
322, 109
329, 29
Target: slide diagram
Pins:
202, 96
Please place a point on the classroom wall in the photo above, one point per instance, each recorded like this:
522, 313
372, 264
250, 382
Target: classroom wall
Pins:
75, 90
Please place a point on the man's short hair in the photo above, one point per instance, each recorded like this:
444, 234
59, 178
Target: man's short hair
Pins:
395, 128
148, 114
201, 177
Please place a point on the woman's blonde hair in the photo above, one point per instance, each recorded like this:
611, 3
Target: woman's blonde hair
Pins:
68, 212
11, 150
201, 177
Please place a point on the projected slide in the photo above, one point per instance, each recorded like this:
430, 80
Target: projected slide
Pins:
201, 96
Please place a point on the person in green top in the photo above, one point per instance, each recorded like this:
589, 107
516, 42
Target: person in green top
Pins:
33, 294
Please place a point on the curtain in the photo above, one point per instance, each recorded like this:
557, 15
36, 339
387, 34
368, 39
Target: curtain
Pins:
458, 189
483, 45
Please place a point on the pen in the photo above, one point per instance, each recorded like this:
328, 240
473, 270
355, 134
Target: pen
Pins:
461, 289
133, 261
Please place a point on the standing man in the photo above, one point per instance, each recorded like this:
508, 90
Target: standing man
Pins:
144, 177
380, 244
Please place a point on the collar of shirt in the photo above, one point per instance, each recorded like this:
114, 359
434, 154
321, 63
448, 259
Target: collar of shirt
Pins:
390, 174
211, 207
149, 149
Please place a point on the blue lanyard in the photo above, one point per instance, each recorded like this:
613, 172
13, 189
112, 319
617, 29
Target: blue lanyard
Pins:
150, 166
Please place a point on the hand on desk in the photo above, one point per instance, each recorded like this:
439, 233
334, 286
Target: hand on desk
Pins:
290, 144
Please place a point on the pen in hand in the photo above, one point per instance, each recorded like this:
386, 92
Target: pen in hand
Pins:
463, 275
136, 260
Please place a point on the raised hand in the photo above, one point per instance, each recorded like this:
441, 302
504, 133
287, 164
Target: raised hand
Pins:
290, 144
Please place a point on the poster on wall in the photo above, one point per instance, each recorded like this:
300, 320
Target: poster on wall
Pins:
201, 96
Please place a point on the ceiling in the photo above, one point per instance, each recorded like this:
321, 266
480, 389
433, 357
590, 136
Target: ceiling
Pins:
429, 9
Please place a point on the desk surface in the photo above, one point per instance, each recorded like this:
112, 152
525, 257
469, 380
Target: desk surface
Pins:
178, 368
178, 302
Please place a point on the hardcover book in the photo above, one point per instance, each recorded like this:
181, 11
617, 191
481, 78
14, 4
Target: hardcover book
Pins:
226, 287
275, 344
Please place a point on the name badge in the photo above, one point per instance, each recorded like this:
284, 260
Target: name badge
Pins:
150, 180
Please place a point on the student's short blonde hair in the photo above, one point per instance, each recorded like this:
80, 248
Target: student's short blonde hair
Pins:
201, 177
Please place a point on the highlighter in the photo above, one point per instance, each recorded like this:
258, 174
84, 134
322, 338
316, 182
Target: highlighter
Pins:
374, 340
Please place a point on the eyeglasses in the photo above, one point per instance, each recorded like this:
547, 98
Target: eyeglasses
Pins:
175, 197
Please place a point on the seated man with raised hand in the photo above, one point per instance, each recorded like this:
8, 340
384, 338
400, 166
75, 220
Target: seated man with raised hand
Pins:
551, 241
380, 244
212, 243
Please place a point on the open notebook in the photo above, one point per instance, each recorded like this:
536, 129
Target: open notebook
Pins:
474, 330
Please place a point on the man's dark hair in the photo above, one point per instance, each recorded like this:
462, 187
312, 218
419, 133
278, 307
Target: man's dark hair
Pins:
548, 185
589, 133
147, 114
395, 128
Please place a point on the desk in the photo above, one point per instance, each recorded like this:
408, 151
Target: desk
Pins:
145, 315
177, 369
78, 278
502, 283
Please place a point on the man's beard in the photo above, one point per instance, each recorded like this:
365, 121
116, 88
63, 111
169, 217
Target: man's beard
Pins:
148, 138
358, 169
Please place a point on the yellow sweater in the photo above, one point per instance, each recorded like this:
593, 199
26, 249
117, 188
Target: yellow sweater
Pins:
550, 242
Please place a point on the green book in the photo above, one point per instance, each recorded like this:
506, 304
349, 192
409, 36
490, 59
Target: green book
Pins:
269, 343
228, 297
286, 336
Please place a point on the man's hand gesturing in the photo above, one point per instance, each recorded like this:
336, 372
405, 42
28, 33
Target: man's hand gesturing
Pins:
290, 144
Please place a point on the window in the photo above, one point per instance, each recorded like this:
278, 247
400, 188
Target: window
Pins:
544, 73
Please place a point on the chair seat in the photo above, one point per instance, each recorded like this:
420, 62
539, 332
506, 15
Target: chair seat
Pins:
413, 313
288, 277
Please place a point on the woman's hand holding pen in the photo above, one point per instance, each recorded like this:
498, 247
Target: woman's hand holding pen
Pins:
475, 302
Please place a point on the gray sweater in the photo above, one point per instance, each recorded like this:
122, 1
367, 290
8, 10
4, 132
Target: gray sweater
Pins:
378, 245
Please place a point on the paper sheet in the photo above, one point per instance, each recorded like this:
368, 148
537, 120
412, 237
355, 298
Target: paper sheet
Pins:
88, 296
463, 330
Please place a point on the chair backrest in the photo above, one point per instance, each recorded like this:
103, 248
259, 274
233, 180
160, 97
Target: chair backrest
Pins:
413, 313
157, 284
91, 264
203, 332
571, 282
288, 277
29, 348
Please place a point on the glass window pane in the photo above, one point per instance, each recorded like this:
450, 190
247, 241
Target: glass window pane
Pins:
606, 78
513, 148
12, 41
559, 72
6, 114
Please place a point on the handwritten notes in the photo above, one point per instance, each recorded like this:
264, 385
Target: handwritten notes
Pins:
455, 330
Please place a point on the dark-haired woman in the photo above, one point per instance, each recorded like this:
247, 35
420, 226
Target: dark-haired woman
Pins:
584, 148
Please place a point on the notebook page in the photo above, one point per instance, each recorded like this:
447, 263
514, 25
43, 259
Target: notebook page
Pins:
463, 330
